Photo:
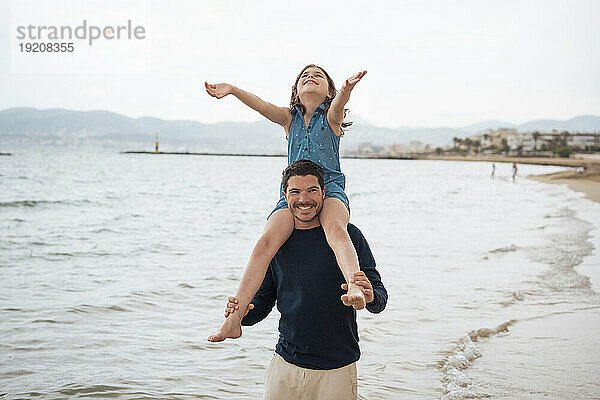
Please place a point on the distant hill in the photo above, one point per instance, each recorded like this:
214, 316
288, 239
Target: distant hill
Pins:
20, 126
60, 126
584, 123
480, 126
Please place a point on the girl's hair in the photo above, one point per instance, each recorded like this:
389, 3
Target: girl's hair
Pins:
295, 101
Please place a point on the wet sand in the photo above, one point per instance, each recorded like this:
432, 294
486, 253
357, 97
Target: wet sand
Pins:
587, 182
561, 346
561, 162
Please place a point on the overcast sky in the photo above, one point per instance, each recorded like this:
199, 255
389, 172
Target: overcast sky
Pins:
429, 63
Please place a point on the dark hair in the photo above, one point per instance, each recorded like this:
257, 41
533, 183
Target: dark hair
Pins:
295, 100
302, 168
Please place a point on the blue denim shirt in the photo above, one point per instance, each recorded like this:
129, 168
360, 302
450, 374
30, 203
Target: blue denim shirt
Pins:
317, 143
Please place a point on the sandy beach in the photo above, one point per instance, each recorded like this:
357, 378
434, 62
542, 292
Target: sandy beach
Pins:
587, 182
558, 340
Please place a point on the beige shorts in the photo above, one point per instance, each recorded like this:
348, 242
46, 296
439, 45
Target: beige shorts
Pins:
290, 382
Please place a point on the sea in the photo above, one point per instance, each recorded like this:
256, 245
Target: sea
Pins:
114, 269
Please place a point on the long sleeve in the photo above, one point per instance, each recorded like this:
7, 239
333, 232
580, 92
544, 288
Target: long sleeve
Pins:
367, 265
263, 301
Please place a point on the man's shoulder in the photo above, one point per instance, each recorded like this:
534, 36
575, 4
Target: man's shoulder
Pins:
353, 228
354, 232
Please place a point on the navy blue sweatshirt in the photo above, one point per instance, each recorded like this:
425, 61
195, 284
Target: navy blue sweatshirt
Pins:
316, 330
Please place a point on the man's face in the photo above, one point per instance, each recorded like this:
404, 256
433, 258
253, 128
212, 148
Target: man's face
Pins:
305, 198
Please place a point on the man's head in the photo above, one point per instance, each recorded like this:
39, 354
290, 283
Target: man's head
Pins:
304, 191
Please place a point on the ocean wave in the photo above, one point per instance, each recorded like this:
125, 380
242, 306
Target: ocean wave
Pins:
52, 256
186, 286
517, 295
86, 308
566, 250
506, 249
39, 203
456, 383
98, 390
51, 321
27, 203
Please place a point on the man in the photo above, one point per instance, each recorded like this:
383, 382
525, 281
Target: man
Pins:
317, 351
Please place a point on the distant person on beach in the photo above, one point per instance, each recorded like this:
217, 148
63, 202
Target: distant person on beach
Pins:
514, 171
313, 124
493, 170
315, 357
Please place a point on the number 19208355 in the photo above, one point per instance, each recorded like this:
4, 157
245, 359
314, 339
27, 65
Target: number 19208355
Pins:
46, 47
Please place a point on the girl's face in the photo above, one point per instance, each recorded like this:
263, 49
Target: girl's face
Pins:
313, 80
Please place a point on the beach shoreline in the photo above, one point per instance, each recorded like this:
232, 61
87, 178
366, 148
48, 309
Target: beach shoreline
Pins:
587, 182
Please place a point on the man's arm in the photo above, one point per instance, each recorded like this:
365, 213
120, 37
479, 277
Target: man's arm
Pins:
263, 301
367, 265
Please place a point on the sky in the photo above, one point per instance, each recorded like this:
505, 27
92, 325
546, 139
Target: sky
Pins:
429, 63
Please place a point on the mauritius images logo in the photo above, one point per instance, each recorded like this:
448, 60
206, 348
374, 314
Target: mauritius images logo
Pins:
85, 31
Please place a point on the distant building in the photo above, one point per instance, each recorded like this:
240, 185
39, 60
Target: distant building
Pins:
395, 149
521, 141
368, 148
416, 147
528, 142
583, 141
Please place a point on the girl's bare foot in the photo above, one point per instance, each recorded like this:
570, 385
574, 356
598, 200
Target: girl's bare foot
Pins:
355, 297
231, 329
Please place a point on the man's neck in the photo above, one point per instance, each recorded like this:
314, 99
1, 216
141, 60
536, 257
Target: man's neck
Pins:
315, 222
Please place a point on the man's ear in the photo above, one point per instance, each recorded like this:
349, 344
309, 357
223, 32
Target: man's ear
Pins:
284, 195
324, 188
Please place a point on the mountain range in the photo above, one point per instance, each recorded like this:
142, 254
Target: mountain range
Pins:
22, 126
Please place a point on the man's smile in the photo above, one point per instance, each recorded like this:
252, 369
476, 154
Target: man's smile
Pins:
305, 206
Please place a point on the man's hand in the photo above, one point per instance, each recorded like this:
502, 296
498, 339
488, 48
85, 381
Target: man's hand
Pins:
232, 305
359, 278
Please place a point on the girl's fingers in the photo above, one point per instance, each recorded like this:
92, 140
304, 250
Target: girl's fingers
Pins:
359, 76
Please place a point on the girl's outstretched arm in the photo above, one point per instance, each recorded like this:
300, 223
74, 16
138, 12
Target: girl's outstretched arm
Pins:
335, 116
279, 115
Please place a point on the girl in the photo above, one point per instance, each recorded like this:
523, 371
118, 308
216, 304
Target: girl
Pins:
313, 126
